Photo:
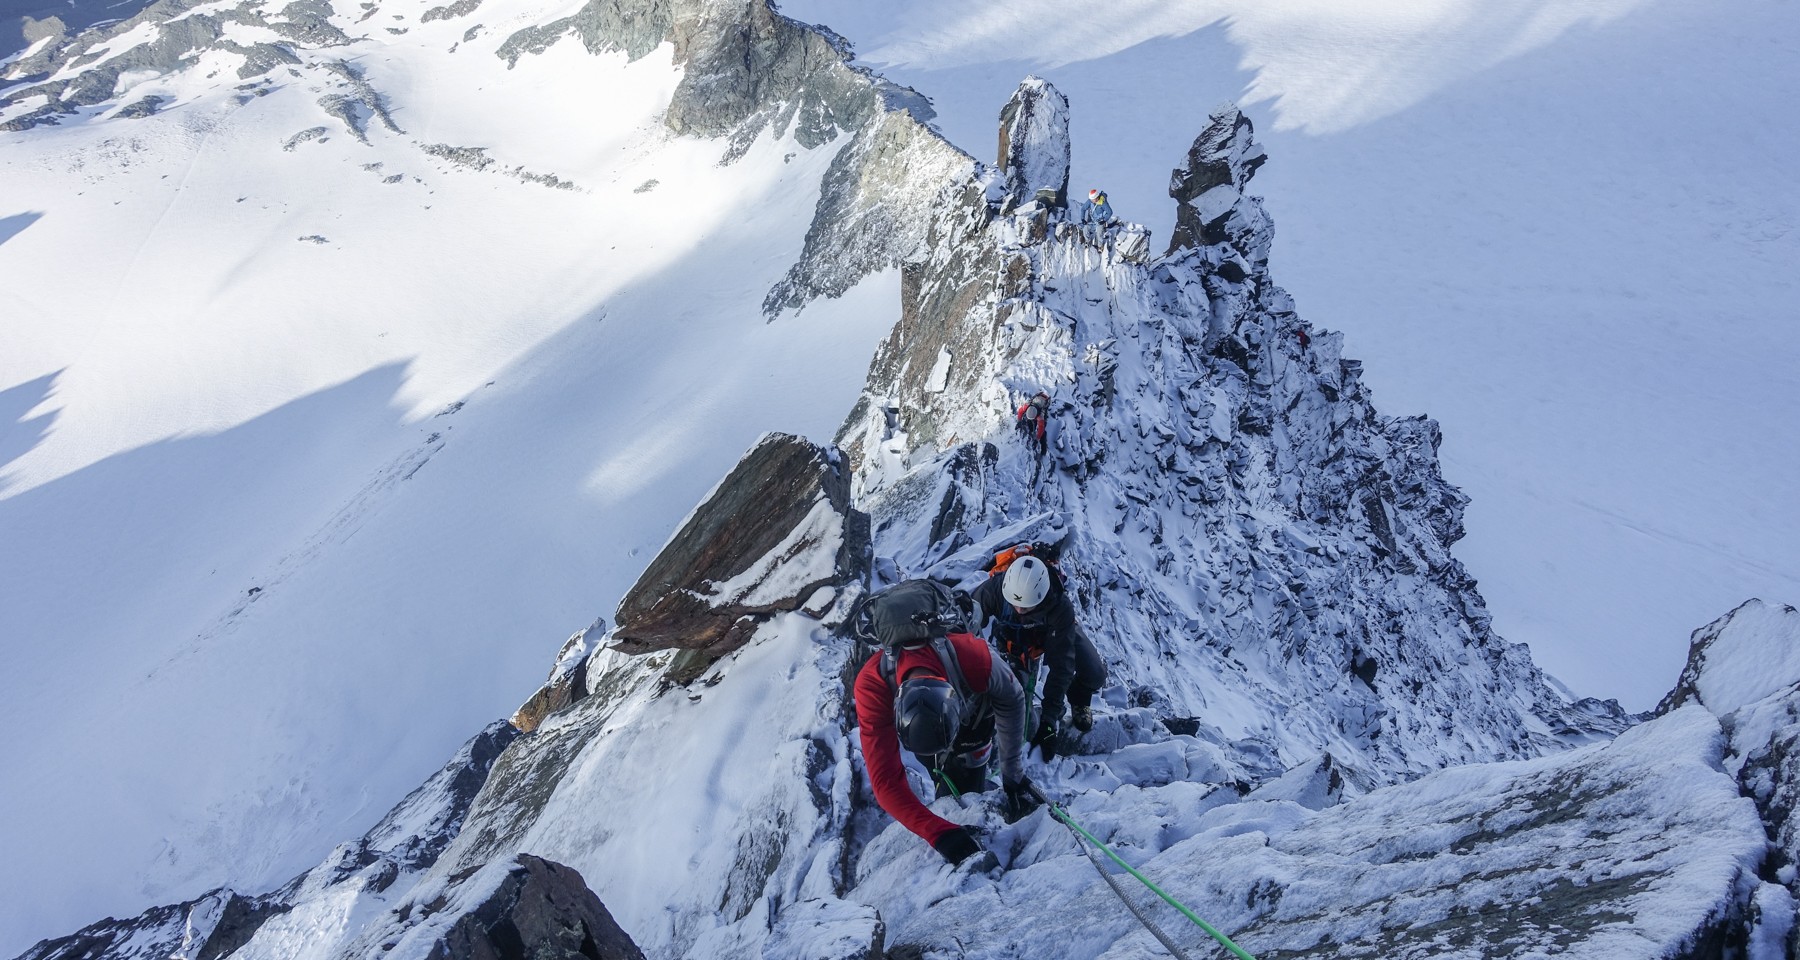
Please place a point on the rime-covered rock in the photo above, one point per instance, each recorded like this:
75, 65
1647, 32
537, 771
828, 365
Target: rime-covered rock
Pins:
1211, 205
1251, 543
1034, 144
776, 531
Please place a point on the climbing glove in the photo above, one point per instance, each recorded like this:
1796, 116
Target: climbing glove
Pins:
1045, 739
1020, 799
957, 845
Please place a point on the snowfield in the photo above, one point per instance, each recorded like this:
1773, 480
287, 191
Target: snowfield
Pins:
284, 519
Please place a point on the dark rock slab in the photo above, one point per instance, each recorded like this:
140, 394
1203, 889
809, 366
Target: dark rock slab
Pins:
777, 529
542, 910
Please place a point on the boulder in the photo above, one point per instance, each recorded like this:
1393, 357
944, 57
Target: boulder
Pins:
776, 530
542, 910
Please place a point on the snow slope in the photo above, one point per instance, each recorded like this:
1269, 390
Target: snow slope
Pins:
284, 520
1568, 231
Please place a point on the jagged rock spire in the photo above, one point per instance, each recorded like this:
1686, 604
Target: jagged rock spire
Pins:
1034, 143
1210, 188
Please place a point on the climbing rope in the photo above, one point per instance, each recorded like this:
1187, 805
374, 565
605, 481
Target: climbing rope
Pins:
1081, 833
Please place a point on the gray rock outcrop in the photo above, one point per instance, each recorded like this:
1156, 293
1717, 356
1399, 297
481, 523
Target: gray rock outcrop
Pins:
776, 531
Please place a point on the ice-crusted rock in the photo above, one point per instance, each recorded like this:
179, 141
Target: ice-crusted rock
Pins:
1034, 144
1636, 848
777, 530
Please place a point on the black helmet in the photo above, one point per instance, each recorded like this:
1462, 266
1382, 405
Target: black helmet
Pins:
927, 715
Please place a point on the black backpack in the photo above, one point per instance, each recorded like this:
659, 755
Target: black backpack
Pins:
914, 613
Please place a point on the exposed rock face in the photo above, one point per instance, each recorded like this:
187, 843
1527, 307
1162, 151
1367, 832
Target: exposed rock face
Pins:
1209, 190
776, 530
568, 680
1034, 144
541, 910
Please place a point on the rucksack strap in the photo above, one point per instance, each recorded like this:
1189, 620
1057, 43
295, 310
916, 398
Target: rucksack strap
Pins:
946, 654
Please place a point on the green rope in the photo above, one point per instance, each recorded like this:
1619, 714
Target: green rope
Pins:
1063, 815
954, 793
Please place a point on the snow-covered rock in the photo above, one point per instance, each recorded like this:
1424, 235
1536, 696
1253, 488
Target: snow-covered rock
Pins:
1745, 668
567, 682
1034, 145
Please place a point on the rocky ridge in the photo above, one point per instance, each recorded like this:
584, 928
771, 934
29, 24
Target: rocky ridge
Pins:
1266, 561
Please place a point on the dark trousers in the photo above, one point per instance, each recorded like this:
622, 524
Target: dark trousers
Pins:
1090, 671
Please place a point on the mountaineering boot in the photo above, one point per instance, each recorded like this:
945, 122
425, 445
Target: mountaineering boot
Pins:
1082, 717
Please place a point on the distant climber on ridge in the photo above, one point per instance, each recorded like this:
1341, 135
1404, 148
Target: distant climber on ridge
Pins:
1096, 214
1031, 422
942, 694
1030, 620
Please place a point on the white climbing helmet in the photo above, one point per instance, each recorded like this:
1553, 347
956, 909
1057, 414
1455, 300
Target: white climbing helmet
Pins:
1027, 582
1094, 194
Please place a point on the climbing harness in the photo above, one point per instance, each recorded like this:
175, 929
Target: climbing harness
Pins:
1081, 833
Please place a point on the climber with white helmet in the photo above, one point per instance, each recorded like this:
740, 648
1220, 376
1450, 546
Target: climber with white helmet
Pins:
1031, 620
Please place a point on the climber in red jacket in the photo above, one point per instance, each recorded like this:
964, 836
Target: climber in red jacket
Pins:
943, 695
1031, 422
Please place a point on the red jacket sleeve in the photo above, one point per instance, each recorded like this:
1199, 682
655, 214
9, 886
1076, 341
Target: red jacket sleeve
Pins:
881, 754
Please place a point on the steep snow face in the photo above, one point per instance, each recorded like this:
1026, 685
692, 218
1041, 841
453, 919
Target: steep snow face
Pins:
328, 378
1251, 544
